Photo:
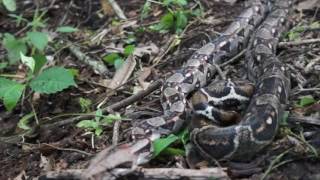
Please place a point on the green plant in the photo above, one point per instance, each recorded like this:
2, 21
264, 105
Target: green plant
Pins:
117, 59
162, 145
85, 104
96, 125
10, 5
294, 33
305, 101
34, 42
175, 19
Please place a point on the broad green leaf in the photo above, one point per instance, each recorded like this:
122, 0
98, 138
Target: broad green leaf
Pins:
181, 20
25, 120
88, 124
99, 115
40, 61
38, 39
118, 63
66, 29
109, 119
166, 23
111, 58
52, 80
74, 72
128, 50
306, 100
173, 151
14, 47
28, 61
10, 92
98, 131
160, 144
85, 104
12, 96
10, 5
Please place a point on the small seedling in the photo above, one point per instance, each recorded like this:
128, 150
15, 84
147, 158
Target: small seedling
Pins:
96, 125
117, 59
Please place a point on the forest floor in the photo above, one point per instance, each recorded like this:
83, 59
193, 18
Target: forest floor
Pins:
150, 46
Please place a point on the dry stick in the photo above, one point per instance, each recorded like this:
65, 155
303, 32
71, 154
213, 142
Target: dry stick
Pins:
306, 120
298, 43
97, 66
117, 9
115, 135
150, 173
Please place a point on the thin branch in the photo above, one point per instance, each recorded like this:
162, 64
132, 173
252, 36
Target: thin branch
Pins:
117, 9
298, 43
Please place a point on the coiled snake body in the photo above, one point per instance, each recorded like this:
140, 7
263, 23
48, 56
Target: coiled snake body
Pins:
267, 74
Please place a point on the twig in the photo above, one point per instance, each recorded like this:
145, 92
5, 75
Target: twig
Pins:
306, 120
234, 58
144, 173
68, 149
298, 43
117, 9
115, 135
97, 66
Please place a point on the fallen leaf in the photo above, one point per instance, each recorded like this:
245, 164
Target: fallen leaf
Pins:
123, 73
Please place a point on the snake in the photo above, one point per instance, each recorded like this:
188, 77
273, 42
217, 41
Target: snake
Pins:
257, 29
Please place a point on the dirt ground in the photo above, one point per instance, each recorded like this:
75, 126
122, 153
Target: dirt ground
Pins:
57, 144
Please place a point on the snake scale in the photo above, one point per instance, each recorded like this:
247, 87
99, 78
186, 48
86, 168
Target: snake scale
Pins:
258, 27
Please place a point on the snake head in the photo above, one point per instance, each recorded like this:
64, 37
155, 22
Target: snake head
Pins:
127, 154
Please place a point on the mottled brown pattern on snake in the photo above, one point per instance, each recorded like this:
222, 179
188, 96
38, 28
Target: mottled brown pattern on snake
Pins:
260, 124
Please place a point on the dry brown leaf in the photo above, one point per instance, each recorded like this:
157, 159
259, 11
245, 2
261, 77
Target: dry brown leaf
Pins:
150, 49
122, 74
107, 8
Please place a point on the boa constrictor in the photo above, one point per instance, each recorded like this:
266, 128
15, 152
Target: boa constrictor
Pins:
260, 122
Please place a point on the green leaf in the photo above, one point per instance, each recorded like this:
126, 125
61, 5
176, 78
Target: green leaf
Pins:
10, 5
306, 100
38, 39
74, 72
25, 120
14, 47
173, 152
40, 61
128, 50
166, 23
98, 131
111, 58
146, 9
3, 65
118, 63
85, 104
10, 92
181, 20
66, 29
99, 115
175, 2
52, 80
88, 124
28, 61
109, 119
160, 144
